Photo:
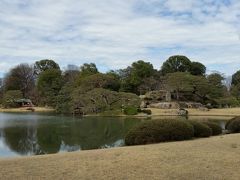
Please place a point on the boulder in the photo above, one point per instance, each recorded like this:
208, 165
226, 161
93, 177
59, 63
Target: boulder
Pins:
182, 112
191, 105
143, 104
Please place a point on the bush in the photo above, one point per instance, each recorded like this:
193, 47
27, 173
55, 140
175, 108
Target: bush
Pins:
10, 97
228, 102
146, 111
216, 128
100, 100
64, 100
230, 121
130, 110
155, 131
200, 129
233, 125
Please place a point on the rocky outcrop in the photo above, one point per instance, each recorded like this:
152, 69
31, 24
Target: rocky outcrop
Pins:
174, 105
195, 105
156, 96
157, 99
165, 105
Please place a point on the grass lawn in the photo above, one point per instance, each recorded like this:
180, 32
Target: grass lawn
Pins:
17, 110
196, 112
208, 158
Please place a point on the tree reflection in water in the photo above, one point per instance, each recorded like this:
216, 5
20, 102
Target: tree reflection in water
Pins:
56, 134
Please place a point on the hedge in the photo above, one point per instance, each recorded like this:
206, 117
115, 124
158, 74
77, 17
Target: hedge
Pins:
130, 110
200, 129
233, 125
155, 131
216, 128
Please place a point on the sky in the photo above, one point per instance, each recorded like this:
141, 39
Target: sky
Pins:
113, 34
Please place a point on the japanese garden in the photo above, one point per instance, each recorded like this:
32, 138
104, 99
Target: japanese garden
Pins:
128, 90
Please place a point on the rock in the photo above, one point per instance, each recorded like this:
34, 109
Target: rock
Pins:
164, 105
190, 105
143, 104
182, 112
142, 96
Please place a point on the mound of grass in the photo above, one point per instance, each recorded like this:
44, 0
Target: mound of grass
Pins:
200, 129
155, 131
233, 125
130, 110
216, 128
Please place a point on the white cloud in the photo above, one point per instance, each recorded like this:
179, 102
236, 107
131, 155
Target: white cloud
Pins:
179, 6
115, 33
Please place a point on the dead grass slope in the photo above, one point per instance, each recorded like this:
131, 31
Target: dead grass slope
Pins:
210, 158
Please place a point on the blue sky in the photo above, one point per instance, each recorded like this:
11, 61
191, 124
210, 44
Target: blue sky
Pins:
113, 33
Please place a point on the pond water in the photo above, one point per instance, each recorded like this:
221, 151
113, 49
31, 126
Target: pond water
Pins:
34, 134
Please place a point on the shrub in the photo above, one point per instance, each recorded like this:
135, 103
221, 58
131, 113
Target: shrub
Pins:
200, 129
98, 100
146, 111
64, 100
130, 110
227, 101
155, 131
233, 125
230, 121
10, 97
216, 128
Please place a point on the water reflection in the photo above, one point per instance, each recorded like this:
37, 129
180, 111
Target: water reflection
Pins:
34, 134
37, 134
21, 139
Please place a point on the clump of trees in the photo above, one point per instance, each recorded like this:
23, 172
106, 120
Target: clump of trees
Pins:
99, 100
182, 64
9, 97
86, 90
20, 78
235, 86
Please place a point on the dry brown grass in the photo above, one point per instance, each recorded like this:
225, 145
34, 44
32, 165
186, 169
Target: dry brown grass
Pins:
197, 112
19, 110
210, 158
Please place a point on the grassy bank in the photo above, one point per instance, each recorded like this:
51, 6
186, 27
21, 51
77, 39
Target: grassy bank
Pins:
196, 112
18, 110
231, 112
210, 158
225, 112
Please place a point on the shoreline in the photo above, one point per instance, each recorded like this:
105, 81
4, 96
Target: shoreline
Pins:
225, 112
24, 110
191, 159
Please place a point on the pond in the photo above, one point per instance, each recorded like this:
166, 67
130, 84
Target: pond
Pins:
35, 134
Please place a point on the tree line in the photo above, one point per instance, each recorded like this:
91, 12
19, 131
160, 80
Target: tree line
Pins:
47, 85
